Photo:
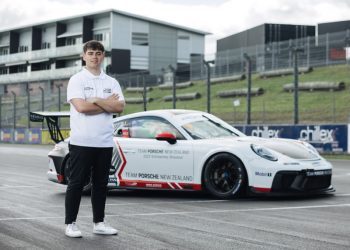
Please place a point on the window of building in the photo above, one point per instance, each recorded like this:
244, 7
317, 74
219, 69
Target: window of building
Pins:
98, 37
22, 68
140, 39
45, 45
4, 51
41, 66
3, 71
23, 48
70, 41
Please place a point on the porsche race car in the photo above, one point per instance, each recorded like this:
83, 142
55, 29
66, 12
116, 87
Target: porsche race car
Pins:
191, 150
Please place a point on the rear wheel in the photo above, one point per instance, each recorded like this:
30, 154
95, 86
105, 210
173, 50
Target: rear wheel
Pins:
87, 185
224, 176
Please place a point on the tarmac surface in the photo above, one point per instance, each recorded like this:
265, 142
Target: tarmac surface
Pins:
32, 214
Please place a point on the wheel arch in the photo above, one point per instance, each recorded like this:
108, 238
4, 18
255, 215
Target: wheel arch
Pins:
215, 154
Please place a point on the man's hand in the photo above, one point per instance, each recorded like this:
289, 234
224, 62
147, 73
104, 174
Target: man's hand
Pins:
111, 104
86, 106
113, 97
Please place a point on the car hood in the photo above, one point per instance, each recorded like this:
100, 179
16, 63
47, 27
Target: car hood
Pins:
292, 148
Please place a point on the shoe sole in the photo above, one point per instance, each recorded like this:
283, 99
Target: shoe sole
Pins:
102, 233
71, 236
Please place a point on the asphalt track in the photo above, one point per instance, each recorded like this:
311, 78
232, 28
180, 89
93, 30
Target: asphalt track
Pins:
32, 214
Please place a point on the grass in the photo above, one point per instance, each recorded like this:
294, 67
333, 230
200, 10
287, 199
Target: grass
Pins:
274, 106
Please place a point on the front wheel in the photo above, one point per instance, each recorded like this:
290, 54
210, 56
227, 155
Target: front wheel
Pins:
224, 176
87, 185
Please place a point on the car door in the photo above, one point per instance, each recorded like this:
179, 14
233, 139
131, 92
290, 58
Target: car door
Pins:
151, 163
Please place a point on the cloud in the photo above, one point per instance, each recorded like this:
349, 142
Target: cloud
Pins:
219, 17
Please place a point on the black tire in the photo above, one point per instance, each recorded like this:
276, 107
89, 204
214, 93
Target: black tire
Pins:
87, 186
224, 176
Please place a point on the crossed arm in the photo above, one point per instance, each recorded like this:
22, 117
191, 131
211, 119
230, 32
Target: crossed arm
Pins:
94, 106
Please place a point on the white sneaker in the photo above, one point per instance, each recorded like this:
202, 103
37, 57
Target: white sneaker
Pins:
103, 228
73, 231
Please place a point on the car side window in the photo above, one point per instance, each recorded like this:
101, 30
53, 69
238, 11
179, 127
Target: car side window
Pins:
119, 127
150, 127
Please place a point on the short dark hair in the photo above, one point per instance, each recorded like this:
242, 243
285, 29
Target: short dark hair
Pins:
93, 45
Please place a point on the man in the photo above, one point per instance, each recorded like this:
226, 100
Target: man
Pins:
93, 97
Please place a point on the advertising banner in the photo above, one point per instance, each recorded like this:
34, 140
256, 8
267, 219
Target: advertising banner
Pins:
325, 138
34, 136
6, 135
20, 135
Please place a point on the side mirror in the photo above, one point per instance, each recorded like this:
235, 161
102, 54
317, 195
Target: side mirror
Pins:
166, 136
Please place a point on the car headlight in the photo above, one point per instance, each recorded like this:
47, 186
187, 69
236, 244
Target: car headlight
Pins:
263, 152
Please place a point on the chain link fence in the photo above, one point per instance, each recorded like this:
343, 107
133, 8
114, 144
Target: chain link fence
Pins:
325, 50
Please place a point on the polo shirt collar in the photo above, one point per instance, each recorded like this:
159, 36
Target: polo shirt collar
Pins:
102, 75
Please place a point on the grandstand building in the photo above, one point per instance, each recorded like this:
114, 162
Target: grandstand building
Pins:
259, 43
333, 27
265, 34
47, 54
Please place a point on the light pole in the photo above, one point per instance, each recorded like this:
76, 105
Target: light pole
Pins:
249, 81
347, 50
174, 86
295, 52
14, 109
207, 65
28, 102
0, 109
42, 102
59, 95
144, 94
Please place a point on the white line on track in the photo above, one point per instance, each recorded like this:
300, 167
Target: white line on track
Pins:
127, 204
9, 186
184, 212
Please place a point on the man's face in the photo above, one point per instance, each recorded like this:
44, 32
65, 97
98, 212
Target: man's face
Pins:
93, 58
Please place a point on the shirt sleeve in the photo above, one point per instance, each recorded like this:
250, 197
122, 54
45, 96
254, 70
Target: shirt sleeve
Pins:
74, 89
118, 90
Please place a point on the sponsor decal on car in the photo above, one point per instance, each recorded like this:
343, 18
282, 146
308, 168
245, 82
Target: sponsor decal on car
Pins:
163, 153
257, 173
319, 172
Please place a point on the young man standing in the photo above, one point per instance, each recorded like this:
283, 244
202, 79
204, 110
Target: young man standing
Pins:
93, 97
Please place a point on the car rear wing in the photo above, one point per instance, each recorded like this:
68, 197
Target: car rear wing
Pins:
51, 121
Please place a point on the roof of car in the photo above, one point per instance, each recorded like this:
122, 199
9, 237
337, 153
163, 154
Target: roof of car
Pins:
161, 112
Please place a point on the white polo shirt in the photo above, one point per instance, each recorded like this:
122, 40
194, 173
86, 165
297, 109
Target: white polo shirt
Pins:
91, 130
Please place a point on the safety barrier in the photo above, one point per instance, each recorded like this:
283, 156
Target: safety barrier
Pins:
183, 97
284, 72
227, 79
326, 138
28, 136
240, 92
137, 89
182, 85
135, 100
311, 86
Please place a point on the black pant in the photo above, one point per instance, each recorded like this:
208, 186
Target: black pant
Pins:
83, 162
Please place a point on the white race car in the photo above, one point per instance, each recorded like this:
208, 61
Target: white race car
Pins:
191, 151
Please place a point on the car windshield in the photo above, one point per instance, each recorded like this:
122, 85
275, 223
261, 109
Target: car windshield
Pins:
206, 128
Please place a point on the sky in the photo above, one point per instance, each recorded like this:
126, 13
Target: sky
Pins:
221, 18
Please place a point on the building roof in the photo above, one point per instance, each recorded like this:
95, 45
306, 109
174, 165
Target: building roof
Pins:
114, 11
